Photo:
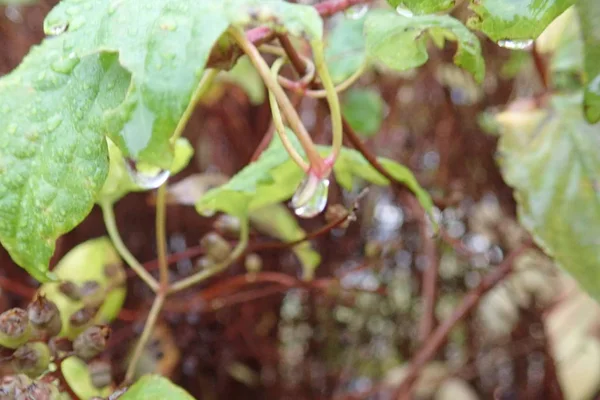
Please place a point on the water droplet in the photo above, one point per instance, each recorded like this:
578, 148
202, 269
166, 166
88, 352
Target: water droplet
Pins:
405, 12
145, 176
65, 65
516, 44
57, 29
311, 196
357, 12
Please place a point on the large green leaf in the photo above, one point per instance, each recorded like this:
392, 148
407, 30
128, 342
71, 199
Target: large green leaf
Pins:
589, 16
515, 19
398, 41
423, 6
53, 156
274, 177
155, 387
549, 156
165, 45
345, 49
363, 109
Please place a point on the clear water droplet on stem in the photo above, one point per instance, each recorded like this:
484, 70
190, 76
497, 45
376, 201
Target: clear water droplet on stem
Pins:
145, 176
310, 198
357, 12
516, 44
405, 12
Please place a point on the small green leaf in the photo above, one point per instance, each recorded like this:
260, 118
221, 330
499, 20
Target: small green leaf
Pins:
277, 221
363, 109
423, 6
155, 387
119, 181
399, 43
53, 155
274, 177
518, 20
87, 262
345, 49
77, 375
589, 16
549, 156
245, 76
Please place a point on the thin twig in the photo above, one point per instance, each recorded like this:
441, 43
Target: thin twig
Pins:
161, 237
468, 303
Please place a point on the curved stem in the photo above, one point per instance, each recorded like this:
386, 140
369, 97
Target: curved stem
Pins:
278, 122
111, 226
207, 273
332, 100
319, 94
290, 113
201, 89
161, 236
141, 344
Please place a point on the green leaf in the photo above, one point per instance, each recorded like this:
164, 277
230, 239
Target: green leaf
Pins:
549, 156
165, 45
518, 20
88, 262
423, 6
274, 177
119, 181
363, 109
155, 387
53, 155
345, 51
399, 43
77, 375
277, 221
589, 16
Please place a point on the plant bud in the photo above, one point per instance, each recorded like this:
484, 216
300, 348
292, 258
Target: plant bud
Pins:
115, 274
71, 290
100, 374
92, 293
15, 328
227, 225
91, 342
253, 263
215, 246
44, 316
31, 359
40, 390
11, 387
335, 212
83, 316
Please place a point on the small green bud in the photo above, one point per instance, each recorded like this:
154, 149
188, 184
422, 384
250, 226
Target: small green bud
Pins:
100, 373
253, 263
215, 246
70, 289
31, 359
15, 328
91, 342
40, 390
227, 225
83, 316
44, 316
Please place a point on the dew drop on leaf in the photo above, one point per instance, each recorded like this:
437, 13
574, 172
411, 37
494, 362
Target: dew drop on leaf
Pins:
405, 12
310, 198
65, 65
516, 44
144, 176
58, 29
357, 12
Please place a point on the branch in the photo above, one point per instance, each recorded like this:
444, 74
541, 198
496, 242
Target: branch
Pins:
469, 301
